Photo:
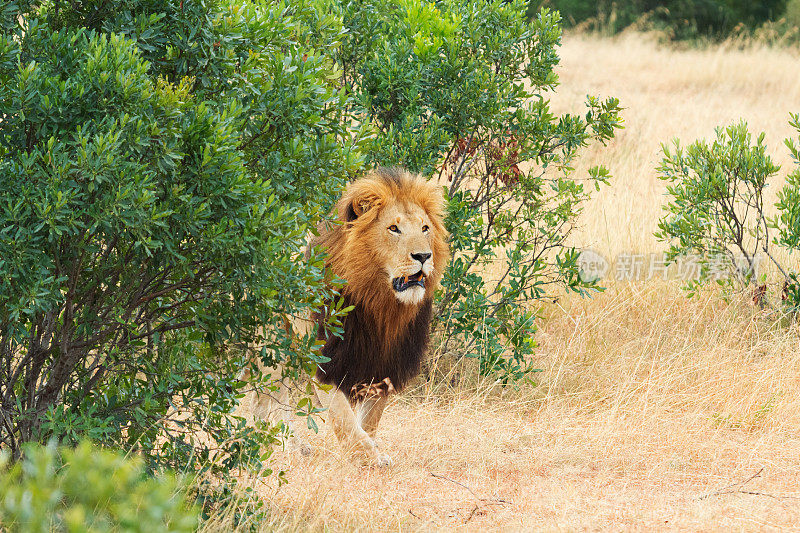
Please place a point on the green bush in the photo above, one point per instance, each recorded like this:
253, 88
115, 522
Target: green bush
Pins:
717, 203
793, 13
458, 90
681, 19
88, 489
161, 163
787, 222
717, 215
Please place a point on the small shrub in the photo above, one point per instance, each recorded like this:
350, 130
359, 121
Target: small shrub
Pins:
717, 203
89, 489
717, 214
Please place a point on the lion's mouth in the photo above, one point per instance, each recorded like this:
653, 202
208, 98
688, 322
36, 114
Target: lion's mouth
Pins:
402, 283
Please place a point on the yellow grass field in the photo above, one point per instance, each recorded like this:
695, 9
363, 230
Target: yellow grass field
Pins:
653, 411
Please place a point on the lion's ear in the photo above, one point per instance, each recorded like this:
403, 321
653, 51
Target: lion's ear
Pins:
358, 204
356, 208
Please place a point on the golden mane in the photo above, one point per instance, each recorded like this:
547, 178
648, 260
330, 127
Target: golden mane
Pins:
353, 256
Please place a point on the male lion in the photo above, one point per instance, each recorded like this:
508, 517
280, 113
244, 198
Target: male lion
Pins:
390, 249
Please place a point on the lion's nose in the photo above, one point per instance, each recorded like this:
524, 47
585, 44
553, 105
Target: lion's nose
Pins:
421, 257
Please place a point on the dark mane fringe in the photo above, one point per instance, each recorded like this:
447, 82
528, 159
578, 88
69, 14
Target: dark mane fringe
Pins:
362, 357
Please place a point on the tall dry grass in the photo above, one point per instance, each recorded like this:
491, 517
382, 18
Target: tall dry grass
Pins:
652, 411
668, 94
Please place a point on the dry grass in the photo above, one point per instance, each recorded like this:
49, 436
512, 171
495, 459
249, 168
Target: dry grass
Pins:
668, 94
650, 406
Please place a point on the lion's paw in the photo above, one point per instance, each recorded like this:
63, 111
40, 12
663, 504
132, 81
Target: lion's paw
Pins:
383, 461
373, 459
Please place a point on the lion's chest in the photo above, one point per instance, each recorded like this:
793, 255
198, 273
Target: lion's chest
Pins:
362, 355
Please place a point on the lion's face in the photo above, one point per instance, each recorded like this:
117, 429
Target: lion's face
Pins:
391, 246
404, 233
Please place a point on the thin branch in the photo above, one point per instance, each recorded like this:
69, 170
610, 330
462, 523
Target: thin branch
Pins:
482, 502
738, 488
445, 478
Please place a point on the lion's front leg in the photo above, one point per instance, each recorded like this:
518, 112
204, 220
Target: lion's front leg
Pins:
369, 413
347, 428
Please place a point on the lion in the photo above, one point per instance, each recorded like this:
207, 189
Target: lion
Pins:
389, 246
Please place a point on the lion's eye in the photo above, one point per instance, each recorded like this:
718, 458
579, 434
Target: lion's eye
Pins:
394, 229
425, 229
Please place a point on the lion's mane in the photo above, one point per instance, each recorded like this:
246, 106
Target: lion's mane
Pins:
383, 337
